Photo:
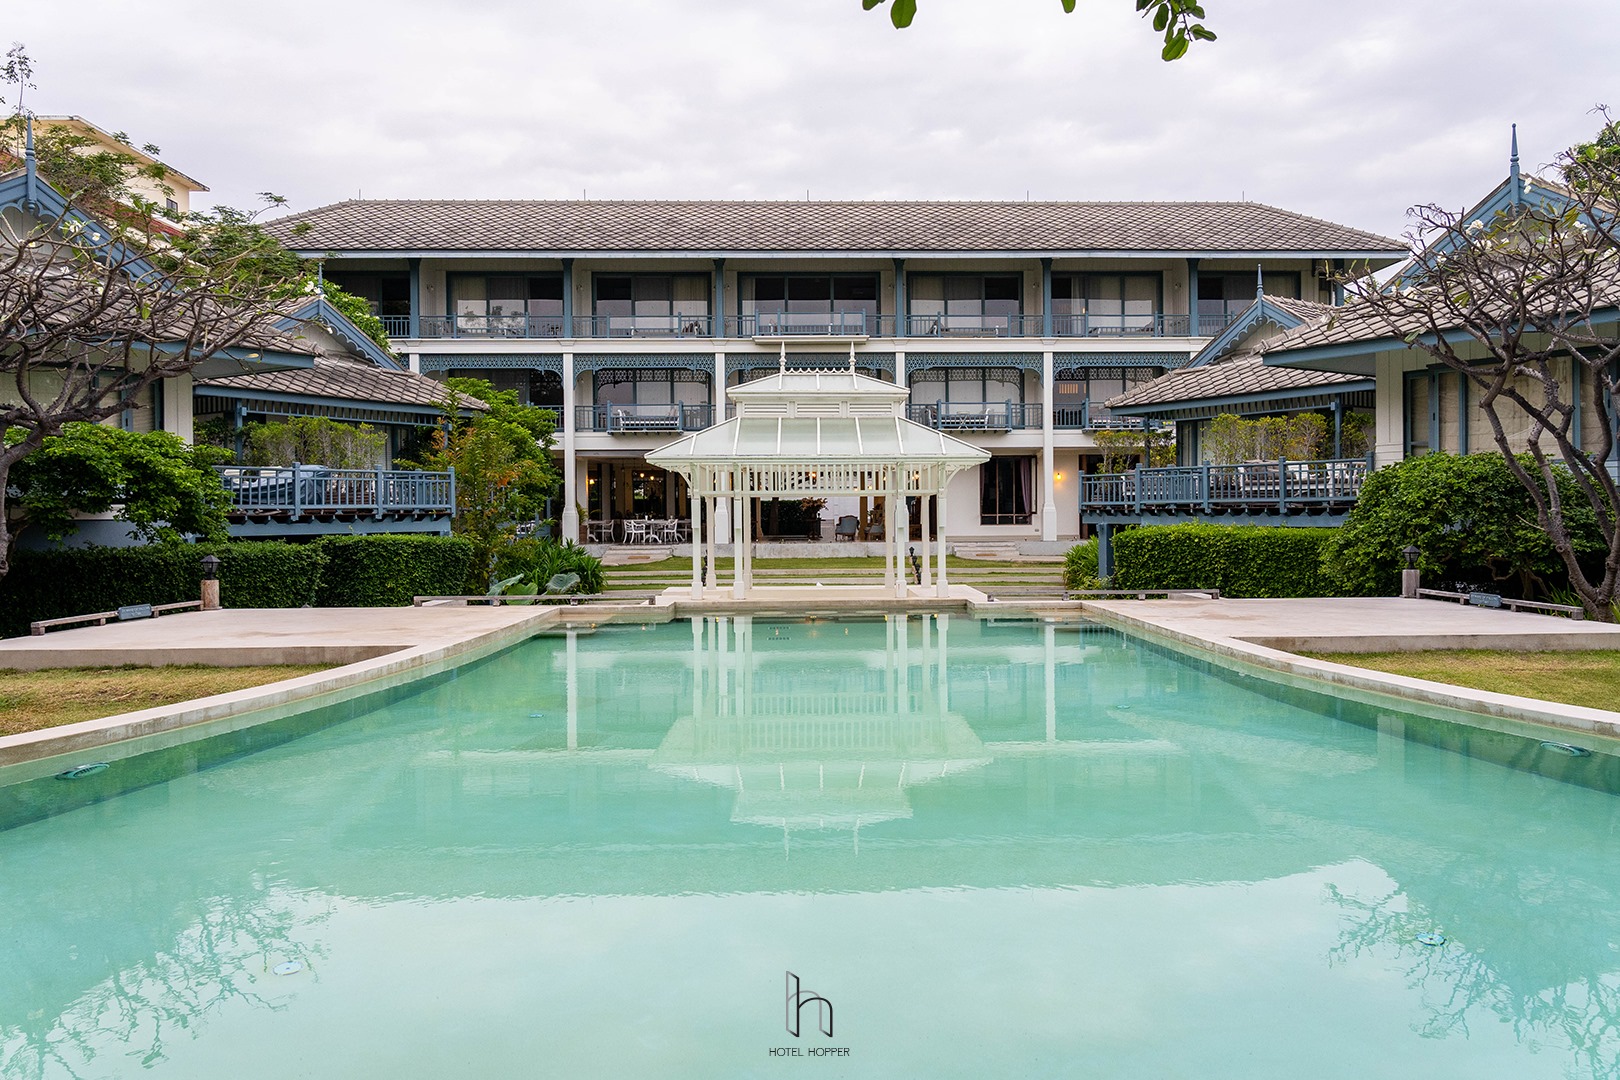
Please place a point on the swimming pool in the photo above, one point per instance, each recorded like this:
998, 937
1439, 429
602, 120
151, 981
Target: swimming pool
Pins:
993, 849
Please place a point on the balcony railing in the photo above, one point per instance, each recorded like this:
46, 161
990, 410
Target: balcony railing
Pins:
778, 324
297, 490
1089, 417
1260, 487
642, 326
976, 415
637, 419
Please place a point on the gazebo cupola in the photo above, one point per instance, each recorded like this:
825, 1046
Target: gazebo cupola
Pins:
814, 434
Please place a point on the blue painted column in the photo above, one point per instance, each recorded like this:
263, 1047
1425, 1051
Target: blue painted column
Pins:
1192, 298
568, 298
416, 297
901, 318
1046, 298
1105, 551
718, 315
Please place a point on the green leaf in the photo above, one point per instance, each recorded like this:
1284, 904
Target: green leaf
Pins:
1202, 34
1161, 19
902, 13
1068, 7
868, 5
1175, 48
1143, 5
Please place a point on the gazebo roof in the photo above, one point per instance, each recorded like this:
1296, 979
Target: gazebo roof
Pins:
797, 386
810, 441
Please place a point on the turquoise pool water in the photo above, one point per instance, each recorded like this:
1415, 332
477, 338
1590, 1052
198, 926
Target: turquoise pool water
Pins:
995, 849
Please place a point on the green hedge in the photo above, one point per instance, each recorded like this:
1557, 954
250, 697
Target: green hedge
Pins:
1239, 560
387, 571
364, 571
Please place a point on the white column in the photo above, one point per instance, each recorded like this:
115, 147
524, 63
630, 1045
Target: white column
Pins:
944, 516
888, 538
1048, 495
900, 363
738, 587
569, 521
717, 392
927, 554
902, 539
903, 699
713, 578
695, 501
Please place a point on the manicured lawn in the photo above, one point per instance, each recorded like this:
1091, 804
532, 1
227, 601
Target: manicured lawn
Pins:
30, 700
1590, 678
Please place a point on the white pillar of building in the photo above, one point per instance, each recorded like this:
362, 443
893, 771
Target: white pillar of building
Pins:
569, 521
944, 589
1048, 487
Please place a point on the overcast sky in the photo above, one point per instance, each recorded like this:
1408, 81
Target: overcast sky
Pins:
1349, 111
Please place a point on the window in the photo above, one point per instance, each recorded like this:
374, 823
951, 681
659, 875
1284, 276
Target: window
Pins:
663, 386
1422, 414
631, 304
508, 305
929, 385
171, 206
1005, 488
964, 303
1100, 305
1221, 296
388, 294
1078, 394
811, 302
147, 413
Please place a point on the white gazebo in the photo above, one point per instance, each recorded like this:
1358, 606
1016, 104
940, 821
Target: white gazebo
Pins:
813, 434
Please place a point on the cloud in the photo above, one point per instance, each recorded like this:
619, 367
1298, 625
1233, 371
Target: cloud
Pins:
1348, 112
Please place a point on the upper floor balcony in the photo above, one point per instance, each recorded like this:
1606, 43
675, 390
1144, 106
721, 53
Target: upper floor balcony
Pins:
773, 325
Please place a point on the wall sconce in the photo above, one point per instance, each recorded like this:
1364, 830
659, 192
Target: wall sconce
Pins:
1058, 477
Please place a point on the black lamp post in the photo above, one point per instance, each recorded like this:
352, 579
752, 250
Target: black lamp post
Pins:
210, 582
1409, 576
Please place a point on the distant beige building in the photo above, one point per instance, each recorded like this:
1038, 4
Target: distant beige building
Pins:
172, 194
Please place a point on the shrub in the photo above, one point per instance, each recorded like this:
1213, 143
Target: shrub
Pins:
1080, 567
316, 440
77, 581
1468, 517
1239, 560
538, 561
387, 571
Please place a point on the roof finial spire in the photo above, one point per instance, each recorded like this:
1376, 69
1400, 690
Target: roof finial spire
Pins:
1515, 178
1259, 282
852, 358
781, 362
30, 163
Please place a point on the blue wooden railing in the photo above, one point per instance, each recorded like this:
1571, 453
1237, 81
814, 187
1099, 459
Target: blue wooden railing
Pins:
300, 489
1265, 486
633, 419
773, 324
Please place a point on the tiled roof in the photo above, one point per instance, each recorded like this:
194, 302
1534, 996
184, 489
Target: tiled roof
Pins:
1239, 376
733, 226
344, 380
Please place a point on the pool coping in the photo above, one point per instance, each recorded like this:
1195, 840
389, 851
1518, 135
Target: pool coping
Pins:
1500, 712
124, 734
146, 729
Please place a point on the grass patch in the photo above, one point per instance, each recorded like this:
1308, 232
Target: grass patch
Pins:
31, 700
1590, 678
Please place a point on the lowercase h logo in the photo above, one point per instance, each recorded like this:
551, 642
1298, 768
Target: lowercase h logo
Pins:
796, 1001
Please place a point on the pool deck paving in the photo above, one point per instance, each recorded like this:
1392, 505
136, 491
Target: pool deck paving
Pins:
1365, 624
382, 646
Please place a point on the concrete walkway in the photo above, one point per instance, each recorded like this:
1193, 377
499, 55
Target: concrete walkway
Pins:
1363, 624
253, 636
